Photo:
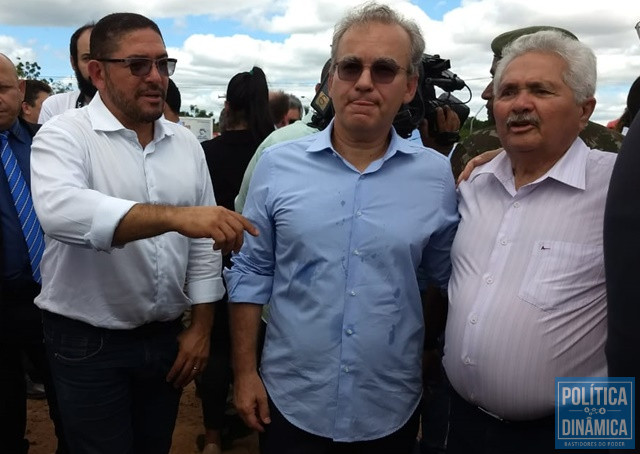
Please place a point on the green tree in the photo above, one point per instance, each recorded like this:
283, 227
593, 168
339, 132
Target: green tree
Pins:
194, 111
31, 70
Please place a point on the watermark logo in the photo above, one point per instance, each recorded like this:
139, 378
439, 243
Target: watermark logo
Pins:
595, 413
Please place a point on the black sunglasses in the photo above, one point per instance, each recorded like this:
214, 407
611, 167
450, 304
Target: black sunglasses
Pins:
141, 67
382, 71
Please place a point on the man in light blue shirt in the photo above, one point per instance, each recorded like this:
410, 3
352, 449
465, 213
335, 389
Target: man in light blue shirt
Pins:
346, 217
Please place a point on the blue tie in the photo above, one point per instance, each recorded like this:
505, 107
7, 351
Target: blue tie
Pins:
24, 206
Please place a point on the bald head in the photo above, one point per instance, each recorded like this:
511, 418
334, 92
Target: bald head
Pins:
11, 93
7, 65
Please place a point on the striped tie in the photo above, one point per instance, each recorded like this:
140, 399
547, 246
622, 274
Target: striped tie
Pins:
24, 206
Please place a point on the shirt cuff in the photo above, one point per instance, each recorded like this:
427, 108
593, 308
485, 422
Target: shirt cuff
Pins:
244, 288
206, 291
108, 215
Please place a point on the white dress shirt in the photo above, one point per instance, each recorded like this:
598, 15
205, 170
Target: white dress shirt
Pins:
57, 104
527, 297
87, 171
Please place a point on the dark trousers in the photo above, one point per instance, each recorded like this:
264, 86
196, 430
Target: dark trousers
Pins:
282, 437
435, 418
111, 385
213, 384
21, 333
474, 431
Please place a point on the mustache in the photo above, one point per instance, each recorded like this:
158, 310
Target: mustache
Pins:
522, 118
153, 88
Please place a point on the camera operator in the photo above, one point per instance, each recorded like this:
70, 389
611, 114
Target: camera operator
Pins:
447, 120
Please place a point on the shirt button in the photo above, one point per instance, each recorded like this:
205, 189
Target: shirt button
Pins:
489, 280
349, 331
346, 369
356, 252
516, 205
352, 293
358, 213
467, 360
473, 319
503, 242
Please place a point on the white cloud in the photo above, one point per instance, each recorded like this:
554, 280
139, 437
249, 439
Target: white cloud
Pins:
207, 62
15, 50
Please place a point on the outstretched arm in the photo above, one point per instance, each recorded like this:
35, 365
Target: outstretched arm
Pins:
224, 226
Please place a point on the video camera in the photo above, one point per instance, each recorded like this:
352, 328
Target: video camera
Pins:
434, 72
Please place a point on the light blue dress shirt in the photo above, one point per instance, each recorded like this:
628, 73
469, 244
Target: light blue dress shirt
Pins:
336, 259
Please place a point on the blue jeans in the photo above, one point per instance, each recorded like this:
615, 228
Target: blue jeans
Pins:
111, 385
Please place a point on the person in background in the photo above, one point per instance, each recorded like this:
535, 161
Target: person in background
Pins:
21, 247
621, 252
292, 131
246, 124
295, 113
633, 105
485, 139
79, 57
172, 103
279, 108
35, 93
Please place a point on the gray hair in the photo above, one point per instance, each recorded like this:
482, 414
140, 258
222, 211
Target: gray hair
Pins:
383, 14
581, 73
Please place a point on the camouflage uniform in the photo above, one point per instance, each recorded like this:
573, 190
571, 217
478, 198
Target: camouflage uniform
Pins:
485, 139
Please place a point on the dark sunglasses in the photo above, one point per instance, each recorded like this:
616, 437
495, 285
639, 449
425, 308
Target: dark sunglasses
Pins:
141, 67
382, 71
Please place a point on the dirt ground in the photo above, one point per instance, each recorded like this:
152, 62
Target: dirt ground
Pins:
188, 427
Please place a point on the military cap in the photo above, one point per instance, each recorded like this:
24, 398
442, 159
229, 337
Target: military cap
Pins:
501, 41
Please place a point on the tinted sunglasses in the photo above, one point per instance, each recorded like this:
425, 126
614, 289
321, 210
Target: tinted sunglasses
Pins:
382, 71
141, 67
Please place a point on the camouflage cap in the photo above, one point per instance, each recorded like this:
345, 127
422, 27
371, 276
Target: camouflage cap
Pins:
501, 41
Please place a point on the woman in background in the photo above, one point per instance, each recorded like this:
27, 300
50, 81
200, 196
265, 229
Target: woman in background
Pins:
247, 123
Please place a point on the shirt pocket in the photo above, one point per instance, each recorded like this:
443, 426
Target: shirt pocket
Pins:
562, 274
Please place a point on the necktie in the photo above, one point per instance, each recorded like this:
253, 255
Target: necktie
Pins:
24, 205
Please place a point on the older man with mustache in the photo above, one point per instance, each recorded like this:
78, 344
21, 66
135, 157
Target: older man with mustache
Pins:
527, 296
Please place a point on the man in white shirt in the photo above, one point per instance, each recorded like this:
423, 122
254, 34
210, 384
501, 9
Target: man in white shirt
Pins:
126, 202
79, 57
527, 297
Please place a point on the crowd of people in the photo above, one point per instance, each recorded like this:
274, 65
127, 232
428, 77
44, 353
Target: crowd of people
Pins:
344, 284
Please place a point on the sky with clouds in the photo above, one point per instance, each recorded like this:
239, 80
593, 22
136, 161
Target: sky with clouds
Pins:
289, 39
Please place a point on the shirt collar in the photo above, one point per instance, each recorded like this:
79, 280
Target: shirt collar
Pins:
570, 168
19, 132
396, 144
103, 120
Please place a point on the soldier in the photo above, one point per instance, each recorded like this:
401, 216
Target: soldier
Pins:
485, 139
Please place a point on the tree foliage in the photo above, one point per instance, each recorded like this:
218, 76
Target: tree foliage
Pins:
194, 111
31, 70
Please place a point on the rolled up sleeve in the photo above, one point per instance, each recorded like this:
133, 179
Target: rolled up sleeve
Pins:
250, 280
